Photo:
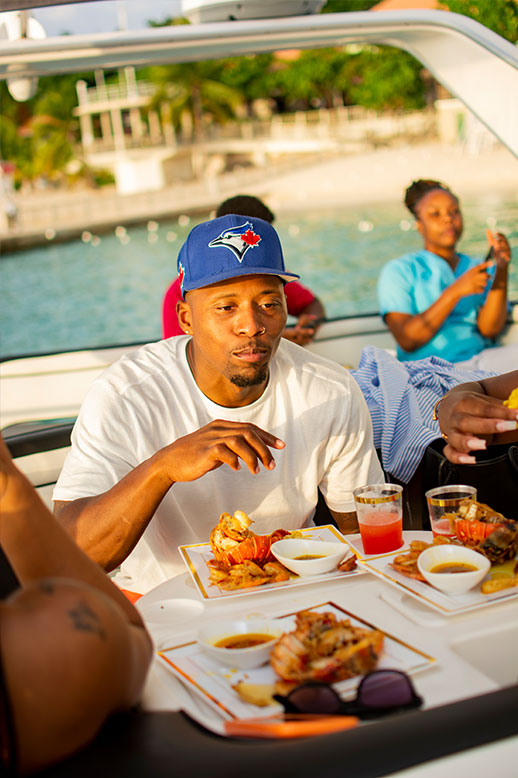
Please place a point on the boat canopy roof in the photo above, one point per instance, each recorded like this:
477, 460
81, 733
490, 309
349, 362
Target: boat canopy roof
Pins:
472, 62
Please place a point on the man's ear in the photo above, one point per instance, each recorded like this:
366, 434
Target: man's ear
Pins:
183, 311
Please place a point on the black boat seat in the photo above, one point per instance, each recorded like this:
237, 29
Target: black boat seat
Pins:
163, 745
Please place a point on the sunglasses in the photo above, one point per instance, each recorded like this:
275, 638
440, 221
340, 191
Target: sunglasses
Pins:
379, 693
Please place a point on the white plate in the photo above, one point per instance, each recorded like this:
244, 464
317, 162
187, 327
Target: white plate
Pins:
166, 619
175, 612
447, 604
213, 682
197, 555
355, 542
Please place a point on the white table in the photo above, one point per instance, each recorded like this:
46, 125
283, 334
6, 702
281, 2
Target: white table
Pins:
449, 679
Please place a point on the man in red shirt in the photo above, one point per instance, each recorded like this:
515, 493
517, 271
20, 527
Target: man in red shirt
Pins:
300, 300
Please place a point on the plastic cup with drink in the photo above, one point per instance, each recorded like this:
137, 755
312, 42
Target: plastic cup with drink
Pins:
379, 509
443, 500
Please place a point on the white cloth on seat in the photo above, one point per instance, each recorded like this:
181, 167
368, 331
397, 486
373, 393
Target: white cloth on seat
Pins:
501, 359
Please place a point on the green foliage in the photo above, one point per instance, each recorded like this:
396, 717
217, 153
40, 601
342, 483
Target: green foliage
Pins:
383, 78
375, 77
312, 78
339, 6
250, 76
39, 135
195, 88
102, 177
501, 16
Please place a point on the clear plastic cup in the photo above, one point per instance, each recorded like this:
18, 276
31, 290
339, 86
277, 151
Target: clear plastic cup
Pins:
379, 508
446, 499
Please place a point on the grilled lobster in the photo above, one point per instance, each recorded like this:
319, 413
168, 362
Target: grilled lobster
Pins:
232, 543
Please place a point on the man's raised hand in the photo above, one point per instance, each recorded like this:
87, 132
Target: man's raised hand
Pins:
219, 443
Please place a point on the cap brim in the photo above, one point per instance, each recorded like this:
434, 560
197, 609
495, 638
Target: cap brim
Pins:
237, 272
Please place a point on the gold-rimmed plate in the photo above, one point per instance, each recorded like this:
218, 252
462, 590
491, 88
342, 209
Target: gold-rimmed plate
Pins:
197, 555
447, 604
214, 683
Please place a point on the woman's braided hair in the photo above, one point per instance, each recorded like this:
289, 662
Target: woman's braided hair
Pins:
418, 189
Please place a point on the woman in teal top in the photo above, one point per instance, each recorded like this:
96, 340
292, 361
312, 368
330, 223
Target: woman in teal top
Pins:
437, 301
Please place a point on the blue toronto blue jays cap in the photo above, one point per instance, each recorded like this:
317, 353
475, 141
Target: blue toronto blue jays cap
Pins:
229, 247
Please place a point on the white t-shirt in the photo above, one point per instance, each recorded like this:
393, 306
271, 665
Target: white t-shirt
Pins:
149, 398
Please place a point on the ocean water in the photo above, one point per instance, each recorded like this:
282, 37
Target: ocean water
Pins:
108, 289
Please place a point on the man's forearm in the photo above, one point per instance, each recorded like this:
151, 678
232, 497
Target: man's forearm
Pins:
347, 523
36, 545
107, 527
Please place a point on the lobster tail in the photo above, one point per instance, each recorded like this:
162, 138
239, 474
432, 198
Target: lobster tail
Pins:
472, 532
232, 543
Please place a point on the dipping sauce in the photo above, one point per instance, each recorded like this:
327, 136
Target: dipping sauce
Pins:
244, 641
453, 567
310, 556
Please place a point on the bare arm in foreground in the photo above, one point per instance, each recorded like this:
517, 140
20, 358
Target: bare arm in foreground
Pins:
109, 525
473, 415
74, 649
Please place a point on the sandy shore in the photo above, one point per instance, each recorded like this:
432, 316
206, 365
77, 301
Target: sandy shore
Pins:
383, 175
380, 175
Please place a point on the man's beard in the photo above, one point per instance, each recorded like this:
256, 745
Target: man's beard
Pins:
242, 381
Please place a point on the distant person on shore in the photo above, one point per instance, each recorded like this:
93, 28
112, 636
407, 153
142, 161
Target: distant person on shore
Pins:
228, 416
73, 649
437, 301
301, 302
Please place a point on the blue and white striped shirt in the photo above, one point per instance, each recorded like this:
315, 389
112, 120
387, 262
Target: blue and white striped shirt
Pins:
401, 397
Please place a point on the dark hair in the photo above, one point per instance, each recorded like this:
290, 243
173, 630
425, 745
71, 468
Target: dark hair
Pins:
246, 205
418, 189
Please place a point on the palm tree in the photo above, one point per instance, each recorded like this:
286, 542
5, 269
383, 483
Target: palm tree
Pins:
196, 90
39, 136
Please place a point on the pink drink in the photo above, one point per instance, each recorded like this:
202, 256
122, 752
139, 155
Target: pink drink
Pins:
381, 531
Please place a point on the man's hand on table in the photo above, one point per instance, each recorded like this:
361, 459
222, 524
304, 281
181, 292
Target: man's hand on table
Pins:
218, 443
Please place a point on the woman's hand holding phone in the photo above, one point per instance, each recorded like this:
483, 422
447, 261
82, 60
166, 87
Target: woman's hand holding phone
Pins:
499, 249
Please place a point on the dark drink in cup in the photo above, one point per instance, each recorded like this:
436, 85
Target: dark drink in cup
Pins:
444, 500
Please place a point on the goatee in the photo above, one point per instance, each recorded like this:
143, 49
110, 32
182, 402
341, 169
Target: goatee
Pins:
243, 381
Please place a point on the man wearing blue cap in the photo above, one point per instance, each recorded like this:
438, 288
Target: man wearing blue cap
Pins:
175, 434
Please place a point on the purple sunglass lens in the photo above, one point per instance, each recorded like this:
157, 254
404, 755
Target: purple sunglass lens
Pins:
315, 699
386, 690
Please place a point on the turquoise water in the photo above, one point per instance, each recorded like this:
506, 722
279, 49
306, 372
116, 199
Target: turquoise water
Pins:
109, 290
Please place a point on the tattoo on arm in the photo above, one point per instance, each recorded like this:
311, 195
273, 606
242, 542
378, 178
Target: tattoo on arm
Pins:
85, 620
47, 587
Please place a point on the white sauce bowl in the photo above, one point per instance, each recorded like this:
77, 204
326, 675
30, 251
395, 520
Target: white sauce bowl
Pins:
453, 583
242, 658
330, 555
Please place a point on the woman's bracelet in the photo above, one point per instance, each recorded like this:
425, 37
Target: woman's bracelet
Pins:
435, 416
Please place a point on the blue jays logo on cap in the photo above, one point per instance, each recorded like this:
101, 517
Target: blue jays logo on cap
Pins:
229, 247
239, 239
